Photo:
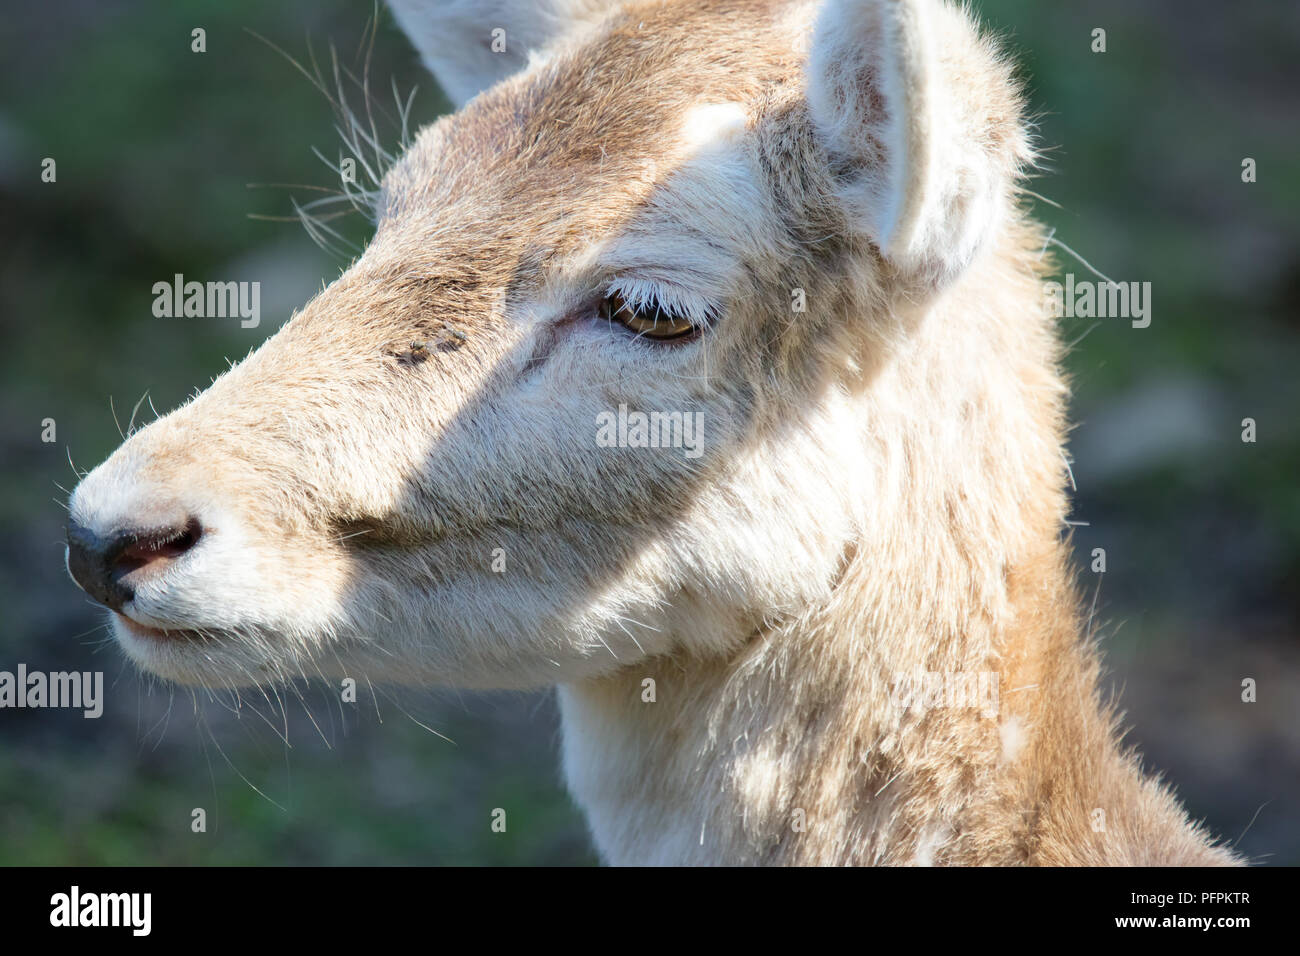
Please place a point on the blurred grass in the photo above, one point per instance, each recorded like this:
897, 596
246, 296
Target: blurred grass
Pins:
397, 797
155, 147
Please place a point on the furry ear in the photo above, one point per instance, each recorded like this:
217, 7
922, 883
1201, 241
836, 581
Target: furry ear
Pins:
923, 134
471, 44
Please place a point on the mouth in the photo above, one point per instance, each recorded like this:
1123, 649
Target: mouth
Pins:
195, 657
152, 633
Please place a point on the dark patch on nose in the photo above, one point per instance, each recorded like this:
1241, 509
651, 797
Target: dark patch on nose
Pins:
104, 566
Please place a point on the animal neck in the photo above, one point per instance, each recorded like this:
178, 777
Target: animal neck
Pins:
814, 746
939, 704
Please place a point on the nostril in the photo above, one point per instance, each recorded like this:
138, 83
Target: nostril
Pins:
105, 565
141, 549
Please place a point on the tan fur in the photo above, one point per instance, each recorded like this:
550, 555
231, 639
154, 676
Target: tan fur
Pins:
881, 492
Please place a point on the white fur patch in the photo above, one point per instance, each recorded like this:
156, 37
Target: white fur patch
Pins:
932, 840
713, 124
1013, 736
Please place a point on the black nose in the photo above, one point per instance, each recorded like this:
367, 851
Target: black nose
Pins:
105, 566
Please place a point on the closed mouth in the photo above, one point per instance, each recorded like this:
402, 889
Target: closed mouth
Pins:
153, 633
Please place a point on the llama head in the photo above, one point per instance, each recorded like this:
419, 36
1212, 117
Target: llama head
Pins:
594, 389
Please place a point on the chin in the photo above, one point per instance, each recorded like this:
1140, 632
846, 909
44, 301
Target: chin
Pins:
207, 658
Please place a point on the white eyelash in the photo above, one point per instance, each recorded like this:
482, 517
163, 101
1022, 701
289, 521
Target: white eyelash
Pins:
683, 303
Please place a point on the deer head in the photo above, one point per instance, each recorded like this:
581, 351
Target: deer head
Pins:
739, 215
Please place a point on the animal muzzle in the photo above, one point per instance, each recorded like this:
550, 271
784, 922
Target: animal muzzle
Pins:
109, 565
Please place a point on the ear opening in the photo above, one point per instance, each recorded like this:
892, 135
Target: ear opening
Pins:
921, 125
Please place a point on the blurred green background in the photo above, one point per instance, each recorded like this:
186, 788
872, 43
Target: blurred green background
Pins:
155, 147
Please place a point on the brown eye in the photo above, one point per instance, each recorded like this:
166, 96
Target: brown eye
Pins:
652, 321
